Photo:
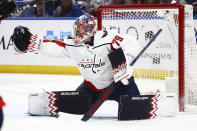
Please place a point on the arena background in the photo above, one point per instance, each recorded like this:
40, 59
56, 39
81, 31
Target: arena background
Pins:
47, 28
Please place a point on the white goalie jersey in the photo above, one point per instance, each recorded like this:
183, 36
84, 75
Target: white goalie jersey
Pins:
92, 61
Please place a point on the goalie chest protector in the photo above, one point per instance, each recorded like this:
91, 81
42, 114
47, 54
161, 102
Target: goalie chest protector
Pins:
147, 106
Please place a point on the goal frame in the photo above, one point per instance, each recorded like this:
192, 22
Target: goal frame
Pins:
180, 37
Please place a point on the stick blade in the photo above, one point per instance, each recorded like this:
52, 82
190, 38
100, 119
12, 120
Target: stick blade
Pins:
86, 117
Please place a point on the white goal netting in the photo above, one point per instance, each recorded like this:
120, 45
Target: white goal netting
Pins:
172, 54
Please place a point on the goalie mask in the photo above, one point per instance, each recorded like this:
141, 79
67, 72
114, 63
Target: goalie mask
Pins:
84, 27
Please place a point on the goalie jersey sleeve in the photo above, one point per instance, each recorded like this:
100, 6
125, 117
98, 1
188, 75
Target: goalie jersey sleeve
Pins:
54, 48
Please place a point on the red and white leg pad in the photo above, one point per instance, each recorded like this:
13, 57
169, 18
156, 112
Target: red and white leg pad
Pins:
147, 106
38, 103
45, 103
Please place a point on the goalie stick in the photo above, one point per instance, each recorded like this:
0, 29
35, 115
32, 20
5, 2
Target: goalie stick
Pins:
110, 89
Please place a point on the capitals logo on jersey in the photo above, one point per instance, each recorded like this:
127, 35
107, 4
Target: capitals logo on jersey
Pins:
91, 64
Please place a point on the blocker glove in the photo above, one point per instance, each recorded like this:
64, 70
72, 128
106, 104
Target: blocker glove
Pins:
119, 66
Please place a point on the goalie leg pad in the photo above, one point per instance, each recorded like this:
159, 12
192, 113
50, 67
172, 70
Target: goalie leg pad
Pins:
73, 102
50, 103
38, 103
147, 106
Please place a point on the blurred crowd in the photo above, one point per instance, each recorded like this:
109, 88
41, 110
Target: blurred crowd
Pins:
75, 8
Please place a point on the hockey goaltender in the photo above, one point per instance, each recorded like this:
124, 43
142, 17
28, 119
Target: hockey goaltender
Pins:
103, 59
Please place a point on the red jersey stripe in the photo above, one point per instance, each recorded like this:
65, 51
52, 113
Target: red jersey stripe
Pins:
56, 42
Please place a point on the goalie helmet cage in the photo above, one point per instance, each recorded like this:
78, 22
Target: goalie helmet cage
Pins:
174, 52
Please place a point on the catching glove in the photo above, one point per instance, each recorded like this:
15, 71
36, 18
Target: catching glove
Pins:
24, 41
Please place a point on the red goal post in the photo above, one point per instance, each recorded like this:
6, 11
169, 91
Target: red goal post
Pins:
118, 16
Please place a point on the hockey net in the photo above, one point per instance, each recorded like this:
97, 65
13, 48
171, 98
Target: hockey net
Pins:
174, 52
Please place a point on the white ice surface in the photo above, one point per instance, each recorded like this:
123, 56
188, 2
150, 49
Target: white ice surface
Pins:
14, 89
